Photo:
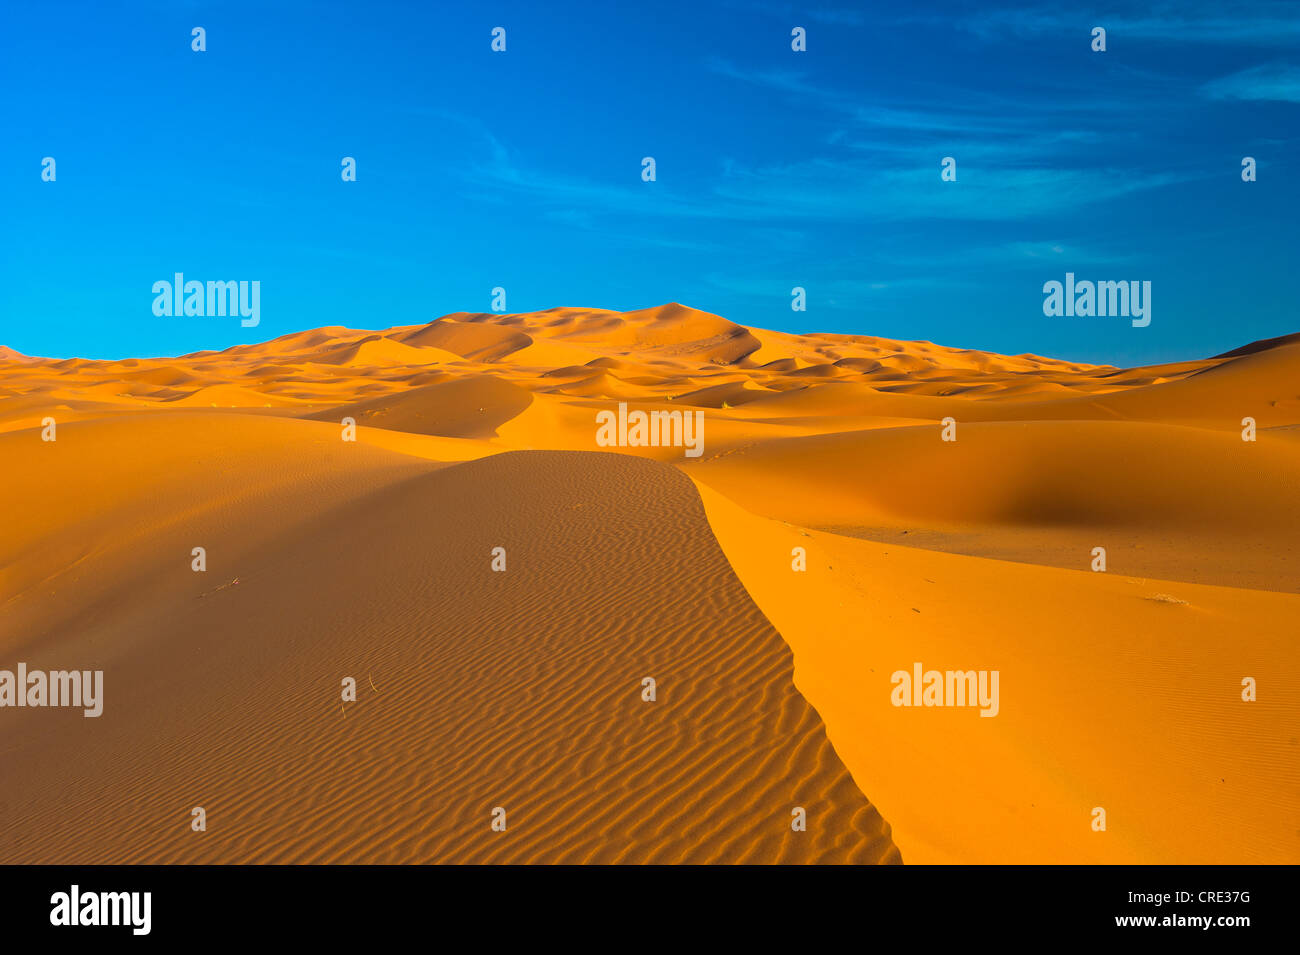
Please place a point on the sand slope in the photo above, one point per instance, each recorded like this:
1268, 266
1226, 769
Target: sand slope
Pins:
1115, 692
476, 689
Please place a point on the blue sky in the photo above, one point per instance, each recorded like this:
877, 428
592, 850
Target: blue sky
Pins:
775, 169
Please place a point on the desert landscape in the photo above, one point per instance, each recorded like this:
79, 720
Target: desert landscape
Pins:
500, 585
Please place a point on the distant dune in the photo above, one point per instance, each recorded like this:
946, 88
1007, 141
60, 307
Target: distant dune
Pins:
522, 689
10, 357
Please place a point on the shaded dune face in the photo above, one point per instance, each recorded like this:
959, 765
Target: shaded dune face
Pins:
462, 407
473, 341
476, 689
1168, 501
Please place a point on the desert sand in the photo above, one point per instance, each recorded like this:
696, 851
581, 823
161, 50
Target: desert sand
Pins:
522, 689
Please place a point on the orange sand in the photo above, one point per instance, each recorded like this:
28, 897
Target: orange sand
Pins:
522, 689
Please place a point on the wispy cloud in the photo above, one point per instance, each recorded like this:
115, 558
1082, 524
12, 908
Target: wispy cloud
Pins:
1279, 82
980, 121
1267, 23
1021, 158
797, 13
1017, 255
853, 190
831, 189
887, 272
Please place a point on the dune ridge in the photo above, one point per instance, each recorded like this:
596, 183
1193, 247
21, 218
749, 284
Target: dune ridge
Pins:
520, 689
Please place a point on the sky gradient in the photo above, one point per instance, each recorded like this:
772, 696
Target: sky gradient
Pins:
775, 169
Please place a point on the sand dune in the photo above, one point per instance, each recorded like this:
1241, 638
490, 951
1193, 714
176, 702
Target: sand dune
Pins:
378, 350
329, 558
1166, 500
1126, 697
467, 339
458, 408
9, 355
477, 689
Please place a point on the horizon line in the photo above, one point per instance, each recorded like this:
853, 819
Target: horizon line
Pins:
1246, 348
